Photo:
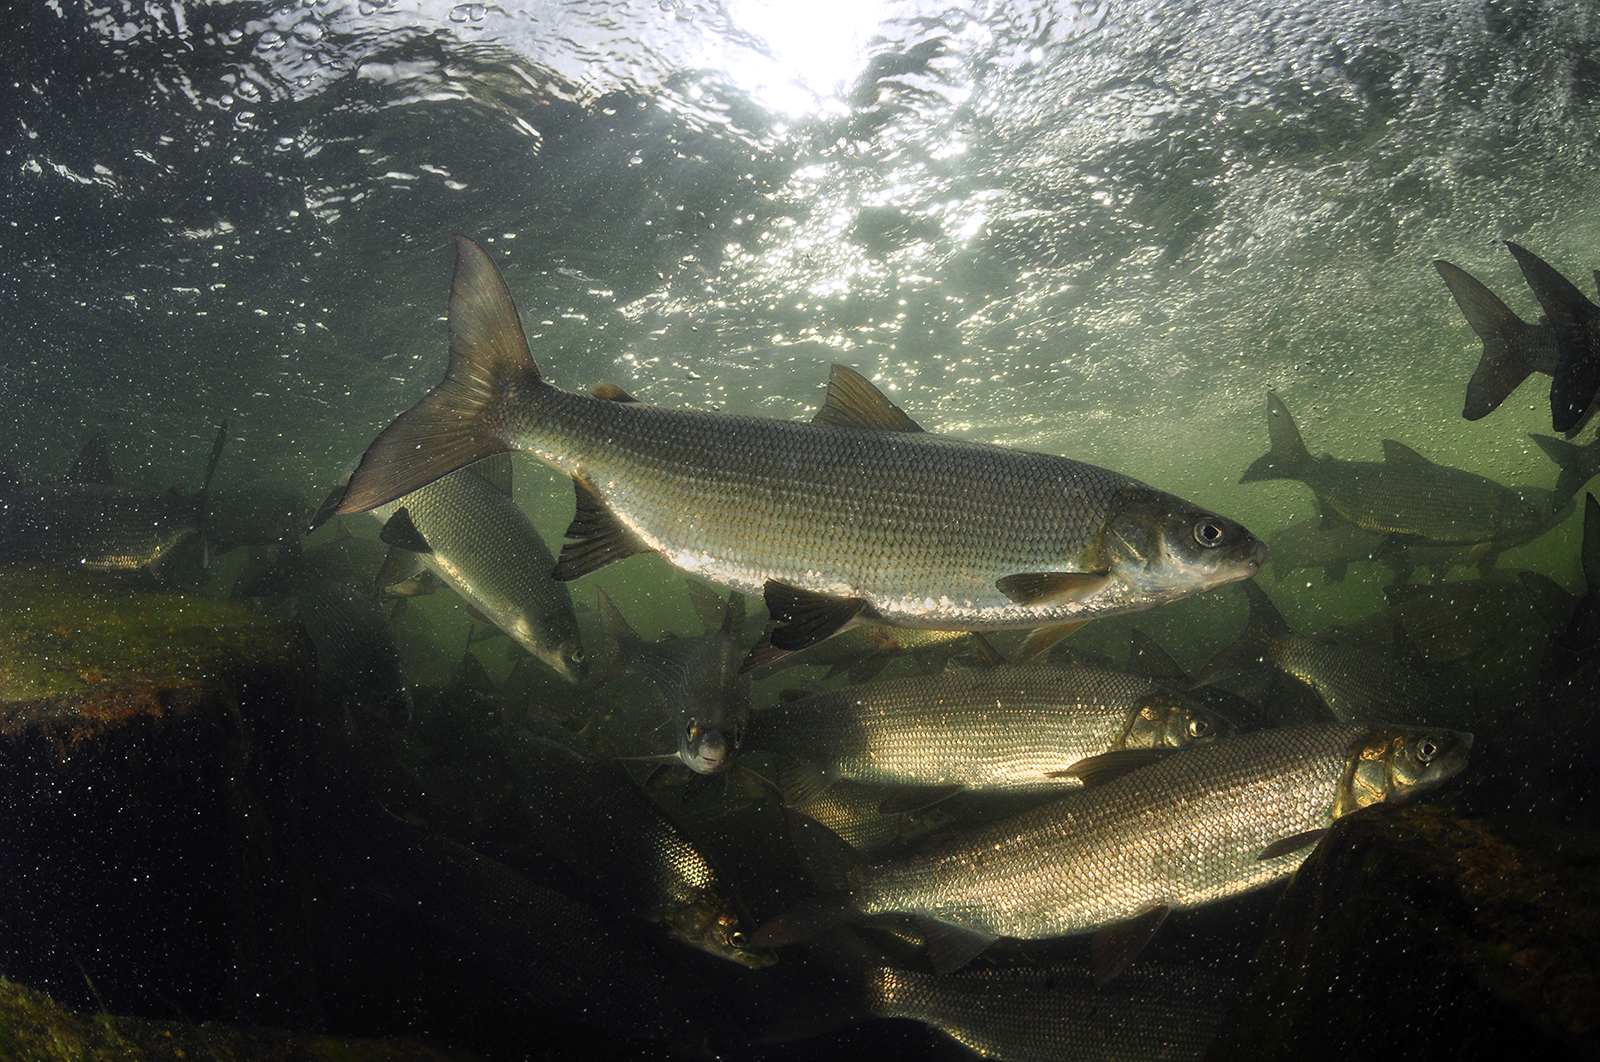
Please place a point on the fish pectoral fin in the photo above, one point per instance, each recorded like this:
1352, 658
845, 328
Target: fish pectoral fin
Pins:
913, 798
610, 392
802, 618
1043, 638
597, 537
800, 782
1109, 766
950, 947
1293, 843
853, 402
1113, 948
399, 531
400, 566
1398, 453
1046, 588
497, 471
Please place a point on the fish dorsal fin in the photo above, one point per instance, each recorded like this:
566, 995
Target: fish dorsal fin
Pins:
399, 566
803, 618
1147, 658
1293, 843
400, 531
610, 392
1398, 453
597, 537
497, 470
951, 947
93, 463
854, 403
617, 625
1114, 947
1042, 588
1109, 766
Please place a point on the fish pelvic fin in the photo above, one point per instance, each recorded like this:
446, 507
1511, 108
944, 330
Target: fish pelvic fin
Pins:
462, 420
596, 537
802, 618
1500, 371
1288, 457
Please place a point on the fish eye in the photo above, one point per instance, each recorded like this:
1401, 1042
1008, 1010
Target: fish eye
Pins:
1209, 533
737, 939
1199, 728
1427, 749
577, 656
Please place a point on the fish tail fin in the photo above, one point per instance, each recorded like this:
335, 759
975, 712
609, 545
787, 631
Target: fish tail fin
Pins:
1499, 370
462, 420
1577, 464
1288, 456
1577, 375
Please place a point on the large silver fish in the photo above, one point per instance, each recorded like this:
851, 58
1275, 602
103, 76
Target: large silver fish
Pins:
1196, 826
1005, 728
482, 544
856, 517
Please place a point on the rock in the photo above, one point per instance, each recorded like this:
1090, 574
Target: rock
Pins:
34, 1028
1414, 933
151, 745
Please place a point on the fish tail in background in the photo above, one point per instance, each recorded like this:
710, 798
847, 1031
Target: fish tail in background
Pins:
1253, 651
1288, 457
462, 419
1577, 324
1578, 465
1500, 370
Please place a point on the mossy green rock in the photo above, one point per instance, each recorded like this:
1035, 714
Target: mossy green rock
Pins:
34, 1028
1413, 933
152, 747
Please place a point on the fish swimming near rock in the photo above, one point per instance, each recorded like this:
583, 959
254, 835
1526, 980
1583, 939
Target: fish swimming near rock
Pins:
85, 520
706, 695
466, 528
857, 517
1404, 495
1007, 728
1187, 828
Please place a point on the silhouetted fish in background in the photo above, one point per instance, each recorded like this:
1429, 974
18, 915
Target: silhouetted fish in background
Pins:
1576, 322
1404, 495
857, 517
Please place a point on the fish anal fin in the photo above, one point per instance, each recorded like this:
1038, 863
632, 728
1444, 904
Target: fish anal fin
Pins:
597, 537
1042, 588
1109, 766
400, 531
802, 618
950, 947
399, 566
853, 402
912, 798
455, 424
1398, 453
1043, 638
497, 470
864, 670
1293, 843
610, 392
1114, 947
984, 652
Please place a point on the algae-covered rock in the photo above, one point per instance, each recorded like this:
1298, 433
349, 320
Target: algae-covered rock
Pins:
150, 751
1414, 933
34, 1028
